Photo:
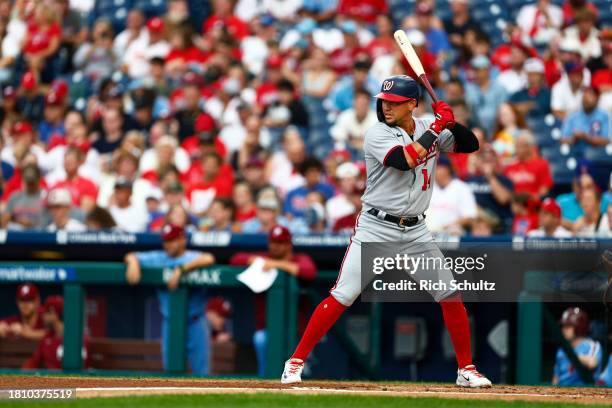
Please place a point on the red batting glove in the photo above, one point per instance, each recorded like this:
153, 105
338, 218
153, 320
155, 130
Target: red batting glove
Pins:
444, 117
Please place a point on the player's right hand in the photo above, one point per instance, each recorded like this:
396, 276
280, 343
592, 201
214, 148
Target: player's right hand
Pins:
445, 117
132, 275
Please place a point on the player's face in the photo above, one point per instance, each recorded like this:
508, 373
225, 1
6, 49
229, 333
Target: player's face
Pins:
278, 250
568, 332
396, 112
27, 307
547, 220
175, 247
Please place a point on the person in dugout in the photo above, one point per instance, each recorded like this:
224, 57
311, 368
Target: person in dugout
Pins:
575, 326
28, 324
280, 256
176, 256
50, 351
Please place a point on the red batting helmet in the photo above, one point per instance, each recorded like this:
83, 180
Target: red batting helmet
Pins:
578, 319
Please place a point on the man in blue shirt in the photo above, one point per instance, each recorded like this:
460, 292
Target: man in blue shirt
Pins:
534, 100
176, 256
437, 41
575, 327
484, 95
589, 126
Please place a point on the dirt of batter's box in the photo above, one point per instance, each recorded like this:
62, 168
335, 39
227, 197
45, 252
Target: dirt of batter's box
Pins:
509, 392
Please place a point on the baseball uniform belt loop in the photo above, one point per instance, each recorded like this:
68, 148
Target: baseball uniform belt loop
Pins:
401, 221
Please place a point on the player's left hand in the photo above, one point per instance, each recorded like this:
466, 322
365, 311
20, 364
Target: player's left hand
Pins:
174, 280
445, 117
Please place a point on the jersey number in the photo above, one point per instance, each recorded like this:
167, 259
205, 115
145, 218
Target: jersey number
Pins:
426, 180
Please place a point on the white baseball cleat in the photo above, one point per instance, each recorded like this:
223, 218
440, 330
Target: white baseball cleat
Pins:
469, 377
293, 371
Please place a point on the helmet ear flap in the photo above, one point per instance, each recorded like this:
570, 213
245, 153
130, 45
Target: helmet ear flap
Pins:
379, 112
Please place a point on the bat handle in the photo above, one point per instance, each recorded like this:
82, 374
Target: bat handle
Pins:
428, 87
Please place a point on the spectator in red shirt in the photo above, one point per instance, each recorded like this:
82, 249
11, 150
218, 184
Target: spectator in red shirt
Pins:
428, 59
280, 256
183, 51
364, 11
383, 43
50, 351
28, 324
84, 192
43, 38
213, 184
267, 92
529, 173
244, 202
223, 16
525, 210
343, 59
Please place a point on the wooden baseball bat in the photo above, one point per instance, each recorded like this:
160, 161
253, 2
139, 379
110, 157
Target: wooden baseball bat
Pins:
413, 59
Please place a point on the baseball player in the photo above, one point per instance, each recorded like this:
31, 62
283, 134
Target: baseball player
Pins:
575, 326
175, 255
400, 155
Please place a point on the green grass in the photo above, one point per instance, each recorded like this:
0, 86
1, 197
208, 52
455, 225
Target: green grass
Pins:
270, 400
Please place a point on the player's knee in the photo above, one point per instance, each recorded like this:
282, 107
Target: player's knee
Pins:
344, 299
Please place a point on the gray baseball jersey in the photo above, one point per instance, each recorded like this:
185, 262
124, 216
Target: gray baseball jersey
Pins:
396, 192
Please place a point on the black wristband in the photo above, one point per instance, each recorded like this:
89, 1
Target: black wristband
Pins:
182, 269
427, 139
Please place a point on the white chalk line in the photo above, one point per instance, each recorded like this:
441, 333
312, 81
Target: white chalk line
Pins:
324, 390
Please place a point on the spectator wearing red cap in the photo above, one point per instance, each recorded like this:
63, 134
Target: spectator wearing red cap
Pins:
84, 192
52, 125
529, 173
218, 311
205, 134
550, 221
25, 208
42, 40
267, 92
176, 257
514, 78
28, 324
49, 353
138, 54
280, 256
31, 101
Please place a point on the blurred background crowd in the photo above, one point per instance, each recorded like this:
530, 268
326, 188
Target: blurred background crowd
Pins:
241, 115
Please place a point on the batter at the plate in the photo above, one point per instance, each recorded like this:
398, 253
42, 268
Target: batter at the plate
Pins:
400, 154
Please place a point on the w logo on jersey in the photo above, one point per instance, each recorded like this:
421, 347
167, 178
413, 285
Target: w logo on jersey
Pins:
387, 85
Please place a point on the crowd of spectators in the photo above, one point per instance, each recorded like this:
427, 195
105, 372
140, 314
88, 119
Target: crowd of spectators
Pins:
256, 115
